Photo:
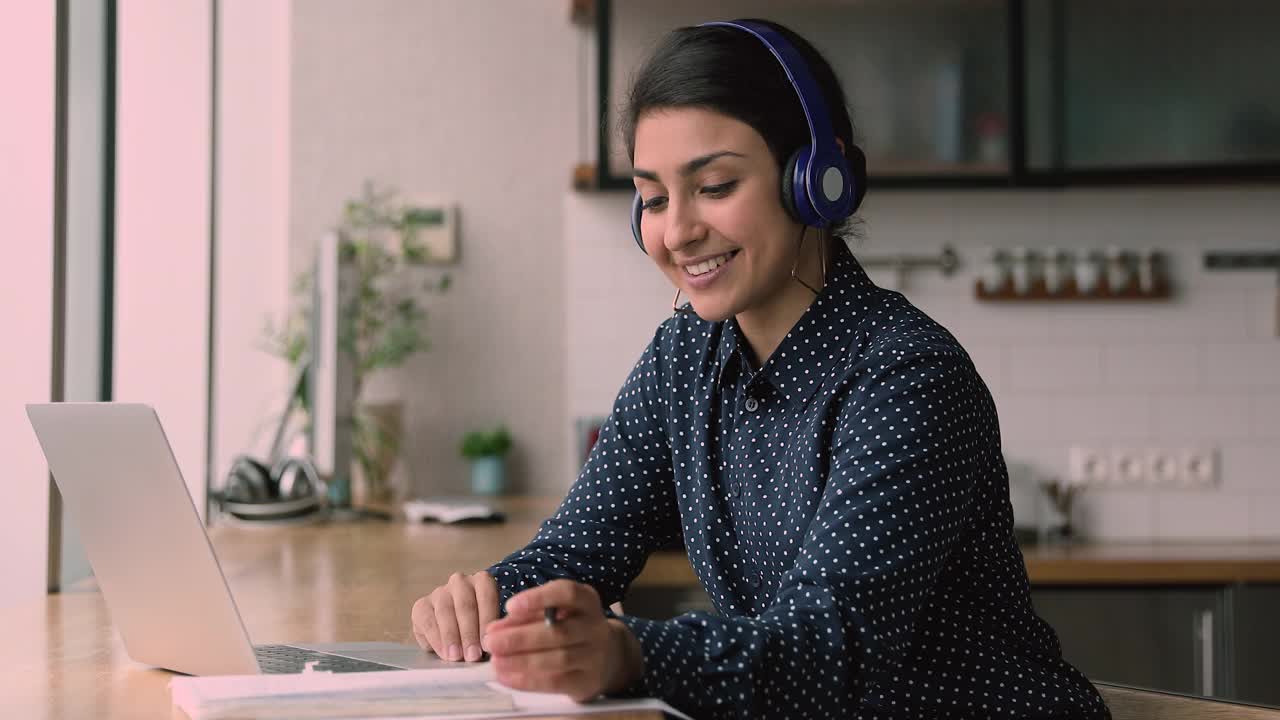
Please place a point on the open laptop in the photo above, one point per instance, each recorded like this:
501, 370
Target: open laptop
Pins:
152, 558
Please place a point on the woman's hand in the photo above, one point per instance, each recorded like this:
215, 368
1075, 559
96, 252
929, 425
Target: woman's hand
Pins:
582, 655
452, 620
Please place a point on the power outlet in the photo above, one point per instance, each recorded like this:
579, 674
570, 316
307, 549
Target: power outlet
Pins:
1152, 466
1199, 467
1164, 467
1089, 466
1128, 466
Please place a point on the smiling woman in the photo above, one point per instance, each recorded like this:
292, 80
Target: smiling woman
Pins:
825, 452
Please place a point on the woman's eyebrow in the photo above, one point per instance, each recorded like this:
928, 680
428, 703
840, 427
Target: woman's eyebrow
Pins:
688, 168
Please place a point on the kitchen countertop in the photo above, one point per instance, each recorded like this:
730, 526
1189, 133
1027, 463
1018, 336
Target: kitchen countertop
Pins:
1172, 563
1075, 563
1079, 562
1089, 563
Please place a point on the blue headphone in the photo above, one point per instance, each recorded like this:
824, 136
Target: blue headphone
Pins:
817, 187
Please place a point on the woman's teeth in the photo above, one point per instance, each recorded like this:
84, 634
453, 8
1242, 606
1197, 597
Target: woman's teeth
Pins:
707, 266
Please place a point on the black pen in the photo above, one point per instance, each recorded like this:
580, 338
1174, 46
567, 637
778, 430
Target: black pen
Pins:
549, 615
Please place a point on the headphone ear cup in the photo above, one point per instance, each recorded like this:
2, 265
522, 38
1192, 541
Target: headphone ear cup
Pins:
296, 478
248, 481
637, 208
789, 185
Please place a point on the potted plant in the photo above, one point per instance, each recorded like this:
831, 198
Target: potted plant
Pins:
487, 451
381, 328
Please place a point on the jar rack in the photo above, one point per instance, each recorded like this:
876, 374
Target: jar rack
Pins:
1090, 275
1069, 291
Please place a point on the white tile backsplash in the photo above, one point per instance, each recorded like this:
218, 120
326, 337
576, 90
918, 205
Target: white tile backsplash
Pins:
1054, 366
1265, 414
1119, 514
1200, 368
1201, 515
1250, 466
1242, 365
1264, 515
1154, 366
971, 321
1099, 416
1263, 310
1209, 417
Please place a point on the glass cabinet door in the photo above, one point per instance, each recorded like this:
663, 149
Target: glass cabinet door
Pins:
1153, 83
927, 81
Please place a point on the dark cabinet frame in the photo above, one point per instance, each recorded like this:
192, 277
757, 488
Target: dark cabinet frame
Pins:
1019, 174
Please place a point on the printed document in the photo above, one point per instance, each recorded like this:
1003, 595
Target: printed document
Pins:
455, 694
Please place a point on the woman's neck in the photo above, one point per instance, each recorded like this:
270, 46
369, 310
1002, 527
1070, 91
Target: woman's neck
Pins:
765, 327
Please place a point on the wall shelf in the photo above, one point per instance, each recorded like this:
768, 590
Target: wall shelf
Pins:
1070, 293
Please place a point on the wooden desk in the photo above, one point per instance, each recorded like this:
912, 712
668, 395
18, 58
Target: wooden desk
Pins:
62, 658
1133, 704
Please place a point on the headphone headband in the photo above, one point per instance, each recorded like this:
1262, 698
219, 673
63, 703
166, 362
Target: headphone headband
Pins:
817, 186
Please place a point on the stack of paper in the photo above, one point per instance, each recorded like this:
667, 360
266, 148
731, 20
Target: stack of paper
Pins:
466, 692
450, 510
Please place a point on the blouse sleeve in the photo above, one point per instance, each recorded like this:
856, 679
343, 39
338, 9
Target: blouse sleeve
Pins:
621, 507
903, 466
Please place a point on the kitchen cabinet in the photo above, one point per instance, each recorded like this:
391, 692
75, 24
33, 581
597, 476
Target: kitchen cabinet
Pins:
1177, 89
927, 82
1213, 641
1006, 93
1177, 628
1256, 638
1172, 639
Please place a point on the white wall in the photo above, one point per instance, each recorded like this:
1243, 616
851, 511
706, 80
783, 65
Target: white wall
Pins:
1201, 369
162, 220
26, 288
476, 101
252, 225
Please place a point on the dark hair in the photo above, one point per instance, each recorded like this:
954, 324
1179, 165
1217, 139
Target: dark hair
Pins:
731, 72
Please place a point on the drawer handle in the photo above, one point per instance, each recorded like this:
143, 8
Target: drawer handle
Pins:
1202, 638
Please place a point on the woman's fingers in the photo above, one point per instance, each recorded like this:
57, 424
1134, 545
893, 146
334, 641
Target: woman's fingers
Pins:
423, 617
452, 619
566, 671
561, 594
577, 656
486, 602
535, 669
519, 639
449, 646
467, 613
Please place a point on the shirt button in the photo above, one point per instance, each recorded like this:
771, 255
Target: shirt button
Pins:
752, 404
733, 491
753, 579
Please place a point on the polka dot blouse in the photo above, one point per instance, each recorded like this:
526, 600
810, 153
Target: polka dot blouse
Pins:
846, 507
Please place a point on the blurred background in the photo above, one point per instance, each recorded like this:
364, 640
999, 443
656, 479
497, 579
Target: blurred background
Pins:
1085, 193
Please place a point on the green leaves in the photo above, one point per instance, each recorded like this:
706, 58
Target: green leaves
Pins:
478, 443
383, 324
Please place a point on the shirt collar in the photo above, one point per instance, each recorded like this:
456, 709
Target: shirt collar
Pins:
817, 340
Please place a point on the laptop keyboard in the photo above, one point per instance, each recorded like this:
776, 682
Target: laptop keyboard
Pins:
289, 659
